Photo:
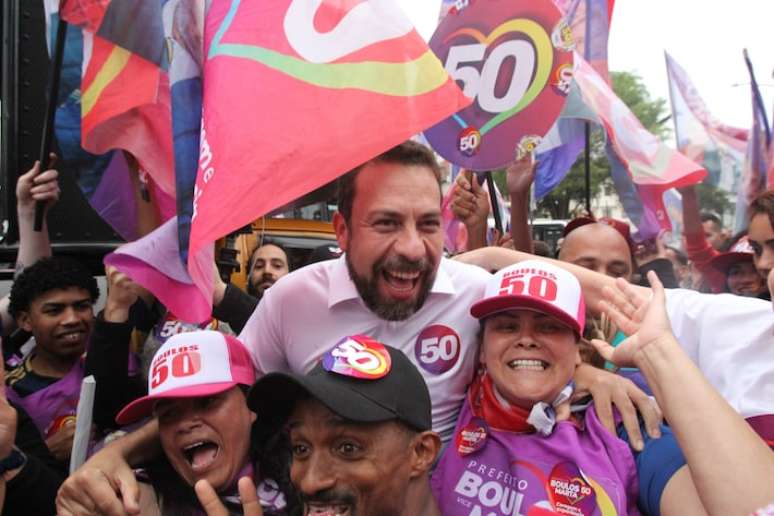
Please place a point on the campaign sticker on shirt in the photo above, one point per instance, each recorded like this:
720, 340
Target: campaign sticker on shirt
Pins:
471, 437
170, 325
358, 356
59, 423
437, 348
569, 491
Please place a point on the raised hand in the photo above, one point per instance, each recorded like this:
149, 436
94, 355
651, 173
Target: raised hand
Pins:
212, 505
470, 202
122, 293
521, 174
35, 186
643, 318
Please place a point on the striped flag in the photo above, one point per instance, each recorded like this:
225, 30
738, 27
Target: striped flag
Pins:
590, 24
126, 198
125, 100
701, 137
643, 168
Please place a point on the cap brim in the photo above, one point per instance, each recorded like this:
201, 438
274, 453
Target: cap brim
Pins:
143, 407
723, 261
274, 396
493, 305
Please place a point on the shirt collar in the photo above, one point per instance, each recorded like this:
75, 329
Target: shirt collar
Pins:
342, 288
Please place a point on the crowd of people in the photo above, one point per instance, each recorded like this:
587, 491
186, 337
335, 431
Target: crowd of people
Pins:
615, 378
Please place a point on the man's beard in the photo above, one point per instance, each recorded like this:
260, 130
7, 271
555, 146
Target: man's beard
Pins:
255, 289
390, 309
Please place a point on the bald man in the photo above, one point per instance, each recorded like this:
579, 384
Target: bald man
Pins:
600, 248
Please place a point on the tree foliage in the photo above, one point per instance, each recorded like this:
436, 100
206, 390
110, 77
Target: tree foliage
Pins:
568, 199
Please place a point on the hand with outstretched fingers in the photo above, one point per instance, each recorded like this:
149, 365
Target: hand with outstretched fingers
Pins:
251, 505
643, 318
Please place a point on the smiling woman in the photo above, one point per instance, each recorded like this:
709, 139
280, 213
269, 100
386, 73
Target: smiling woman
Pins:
532, 316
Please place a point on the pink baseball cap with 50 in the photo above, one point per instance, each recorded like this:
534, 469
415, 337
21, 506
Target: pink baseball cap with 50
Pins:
535, 285
192, 365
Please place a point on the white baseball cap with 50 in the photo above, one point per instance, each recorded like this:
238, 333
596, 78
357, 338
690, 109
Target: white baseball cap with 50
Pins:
535, 285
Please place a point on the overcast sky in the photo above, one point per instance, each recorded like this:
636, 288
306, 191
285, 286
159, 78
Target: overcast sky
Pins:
705, 37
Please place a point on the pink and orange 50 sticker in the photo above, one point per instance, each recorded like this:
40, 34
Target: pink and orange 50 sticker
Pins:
358, 356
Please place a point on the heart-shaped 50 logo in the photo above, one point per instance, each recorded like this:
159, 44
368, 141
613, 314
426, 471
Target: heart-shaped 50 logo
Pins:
513, 59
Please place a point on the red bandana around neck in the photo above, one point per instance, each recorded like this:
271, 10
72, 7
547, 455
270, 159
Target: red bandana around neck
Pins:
497, 412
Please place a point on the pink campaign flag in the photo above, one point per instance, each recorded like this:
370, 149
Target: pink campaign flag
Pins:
720, 148
298, 92
652, 166
154, 262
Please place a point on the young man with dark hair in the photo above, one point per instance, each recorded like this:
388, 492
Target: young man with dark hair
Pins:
53, 299
713, 230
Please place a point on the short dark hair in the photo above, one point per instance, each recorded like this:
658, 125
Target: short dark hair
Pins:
711, 217
764, 203
681, 257
264, 243
407, 153
47, 274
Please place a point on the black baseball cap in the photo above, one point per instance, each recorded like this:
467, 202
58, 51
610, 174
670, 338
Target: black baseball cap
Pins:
359, 379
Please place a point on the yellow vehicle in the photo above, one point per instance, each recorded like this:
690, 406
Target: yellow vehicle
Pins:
299, 237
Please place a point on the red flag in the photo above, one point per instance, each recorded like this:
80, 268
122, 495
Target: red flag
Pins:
125, 104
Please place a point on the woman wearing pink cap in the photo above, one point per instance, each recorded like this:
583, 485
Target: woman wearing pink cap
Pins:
510, 454
196, 390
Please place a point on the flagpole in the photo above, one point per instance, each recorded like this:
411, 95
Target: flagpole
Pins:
495, 204
587, 166
672, 101
758, 99
54, 73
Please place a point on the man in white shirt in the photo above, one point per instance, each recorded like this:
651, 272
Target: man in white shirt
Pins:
391, 284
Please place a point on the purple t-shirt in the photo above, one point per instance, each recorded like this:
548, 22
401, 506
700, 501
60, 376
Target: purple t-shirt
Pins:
579, 471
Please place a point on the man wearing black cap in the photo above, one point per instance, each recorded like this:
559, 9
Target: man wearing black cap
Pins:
360, 430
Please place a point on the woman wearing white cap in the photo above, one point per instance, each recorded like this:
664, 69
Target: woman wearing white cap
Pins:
510, 455
196, 390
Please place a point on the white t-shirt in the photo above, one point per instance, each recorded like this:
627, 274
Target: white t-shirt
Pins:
307, 312
731, 339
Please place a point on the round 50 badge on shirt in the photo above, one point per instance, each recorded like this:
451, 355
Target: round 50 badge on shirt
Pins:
437, 348
514, 59
358, 356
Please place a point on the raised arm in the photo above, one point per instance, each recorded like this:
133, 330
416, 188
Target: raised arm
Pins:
731, 466
520, 175
32, 187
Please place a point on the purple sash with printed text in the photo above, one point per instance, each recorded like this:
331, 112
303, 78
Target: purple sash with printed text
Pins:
577, 471
51, 408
